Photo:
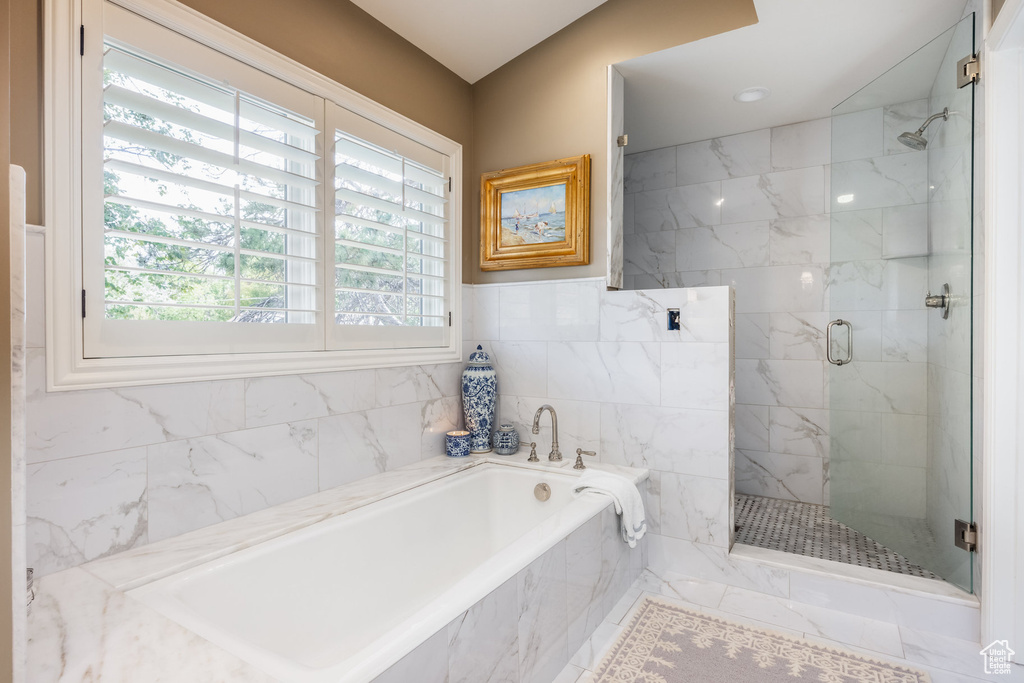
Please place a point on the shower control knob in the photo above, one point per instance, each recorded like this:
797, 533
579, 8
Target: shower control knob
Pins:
939, 301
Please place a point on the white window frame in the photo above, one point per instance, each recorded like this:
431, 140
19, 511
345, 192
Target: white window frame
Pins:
67, 366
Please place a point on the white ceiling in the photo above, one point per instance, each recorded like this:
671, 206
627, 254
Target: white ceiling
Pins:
812, 54
475, 37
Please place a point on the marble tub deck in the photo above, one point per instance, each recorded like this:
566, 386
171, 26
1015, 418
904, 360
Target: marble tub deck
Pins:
82, 626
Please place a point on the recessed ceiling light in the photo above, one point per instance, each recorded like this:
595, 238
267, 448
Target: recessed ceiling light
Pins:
752, 94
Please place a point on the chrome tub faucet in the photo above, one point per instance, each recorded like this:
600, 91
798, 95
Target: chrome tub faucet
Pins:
555, 455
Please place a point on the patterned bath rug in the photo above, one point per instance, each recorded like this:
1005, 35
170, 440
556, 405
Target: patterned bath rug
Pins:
666, 643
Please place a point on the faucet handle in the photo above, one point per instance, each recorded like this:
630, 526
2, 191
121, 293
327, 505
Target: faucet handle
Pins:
579, 458
533, 453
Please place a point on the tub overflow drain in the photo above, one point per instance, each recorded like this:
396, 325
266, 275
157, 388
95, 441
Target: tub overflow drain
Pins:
542, 491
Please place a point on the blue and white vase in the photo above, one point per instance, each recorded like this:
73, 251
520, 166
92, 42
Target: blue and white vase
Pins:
479, 393
506, 440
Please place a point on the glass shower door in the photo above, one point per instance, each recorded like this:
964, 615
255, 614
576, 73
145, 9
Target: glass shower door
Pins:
899, 376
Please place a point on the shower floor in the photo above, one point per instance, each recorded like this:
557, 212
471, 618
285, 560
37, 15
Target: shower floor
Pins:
806, 529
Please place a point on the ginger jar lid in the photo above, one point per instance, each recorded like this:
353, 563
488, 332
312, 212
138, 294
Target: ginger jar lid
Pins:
479, 357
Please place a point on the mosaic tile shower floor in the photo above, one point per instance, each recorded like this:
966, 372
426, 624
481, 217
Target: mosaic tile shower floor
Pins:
806, 529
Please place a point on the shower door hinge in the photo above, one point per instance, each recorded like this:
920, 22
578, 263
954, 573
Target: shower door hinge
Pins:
966, 536
968, 70
622, 140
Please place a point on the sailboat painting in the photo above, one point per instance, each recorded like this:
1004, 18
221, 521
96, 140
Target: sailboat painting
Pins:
533, 216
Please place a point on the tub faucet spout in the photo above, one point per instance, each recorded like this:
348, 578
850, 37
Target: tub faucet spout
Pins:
555, 455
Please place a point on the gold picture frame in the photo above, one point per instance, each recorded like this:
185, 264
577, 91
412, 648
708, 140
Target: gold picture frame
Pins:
536, 216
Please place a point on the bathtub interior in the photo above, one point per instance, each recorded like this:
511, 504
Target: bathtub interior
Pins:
313, 598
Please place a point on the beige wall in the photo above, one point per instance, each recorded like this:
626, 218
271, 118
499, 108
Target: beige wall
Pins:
550, 101
6, 639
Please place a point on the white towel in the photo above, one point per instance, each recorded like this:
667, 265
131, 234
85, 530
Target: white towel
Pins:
628, 503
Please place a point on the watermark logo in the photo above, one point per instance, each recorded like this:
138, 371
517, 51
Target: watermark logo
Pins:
998, 656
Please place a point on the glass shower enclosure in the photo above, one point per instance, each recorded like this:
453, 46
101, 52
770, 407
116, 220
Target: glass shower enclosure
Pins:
900, 295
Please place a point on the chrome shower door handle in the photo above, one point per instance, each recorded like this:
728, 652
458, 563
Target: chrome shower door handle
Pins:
849, 342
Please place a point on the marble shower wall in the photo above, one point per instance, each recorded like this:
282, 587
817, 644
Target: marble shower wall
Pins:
112, 469
623, 385
753, 211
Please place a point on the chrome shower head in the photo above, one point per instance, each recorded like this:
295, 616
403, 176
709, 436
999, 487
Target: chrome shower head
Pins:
916, 140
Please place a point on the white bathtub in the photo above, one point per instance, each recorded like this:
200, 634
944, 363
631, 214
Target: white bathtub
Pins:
344, 599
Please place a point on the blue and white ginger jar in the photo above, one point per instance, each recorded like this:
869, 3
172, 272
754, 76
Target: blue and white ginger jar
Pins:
506, 440
479, 393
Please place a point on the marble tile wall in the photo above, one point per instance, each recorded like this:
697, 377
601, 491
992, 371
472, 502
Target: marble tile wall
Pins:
526, 629
753, 211
623, 385
112, 469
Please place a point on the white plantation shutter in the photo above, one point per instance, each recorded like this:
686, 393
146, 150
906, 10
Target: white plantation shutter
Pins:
210, 202
392, 242
225, 210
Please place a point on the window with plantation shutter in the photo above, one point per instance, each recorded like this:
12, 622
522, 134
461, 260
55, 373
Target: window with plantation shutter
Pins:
227, 211
391, 239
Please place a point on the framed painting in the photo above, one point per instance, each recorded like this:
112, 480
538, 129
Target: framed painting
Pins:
536, 216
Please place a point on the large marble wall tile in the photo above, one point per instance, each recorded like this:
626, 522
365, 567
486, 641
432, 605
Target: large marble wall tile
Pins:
543, 619
880, 387
439, 417
628, 214
878, 285
69, 423
275, 400
695, 508
899, 118
86, 507
692, 279
797, 383
733, 156
740, 245
562, 311
905, 336
800, 240
359, 445
752, 335
798, 336
905, 231
857, 135
487, 312
800, 145
752, 427
856, 235
417, 383
579, 423
880, 182
689, 206
522, 367
779, 475
606, 371
202, 481
651, 170
428, 663
586, 581
483, 642
694, 442
876, 490
780, 194
799, 431
641, 315
777, 288
695, 376
904, 439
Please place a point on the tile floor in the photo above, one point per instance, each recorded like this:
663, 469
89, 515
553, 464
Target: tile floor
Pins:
806, 529
947, 660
